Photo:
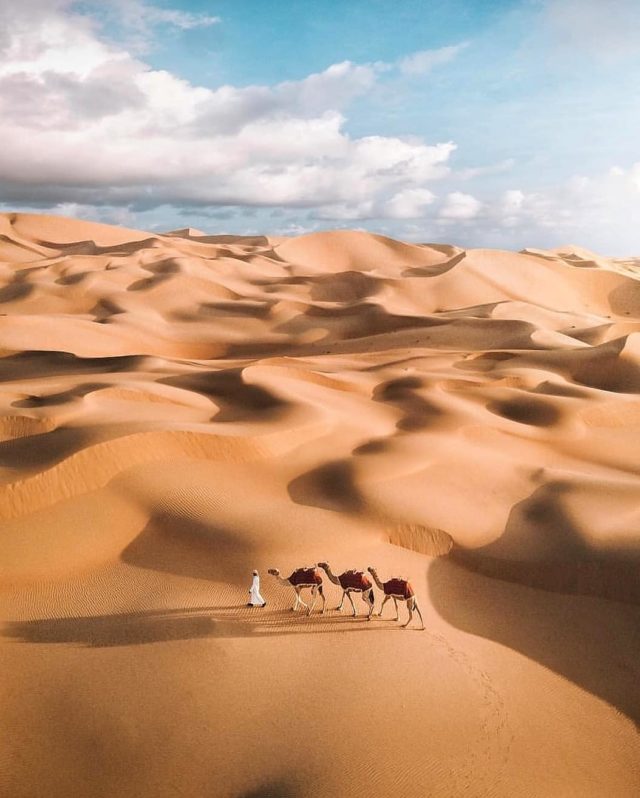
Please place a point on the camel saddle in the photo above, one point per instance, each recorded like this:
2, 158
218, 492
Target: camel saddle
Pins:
305, 576
354, 580
398, 587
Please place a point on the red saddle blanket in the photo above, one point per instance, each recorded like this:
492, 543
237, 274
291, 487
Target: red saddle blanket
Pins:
398, 587
354, 580
306, 576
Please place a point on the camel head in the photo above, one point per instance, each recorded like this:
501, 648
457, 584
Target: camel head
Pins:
273, 572
323, 565
371, 569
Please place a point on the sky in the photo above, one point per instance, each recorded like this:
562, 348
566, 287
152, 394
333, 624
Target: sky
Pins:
482, 123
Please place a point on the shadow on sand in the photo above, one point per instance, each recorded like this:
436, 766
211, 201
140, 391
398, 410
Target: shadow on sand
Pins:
161, 626
591, 642
274, 789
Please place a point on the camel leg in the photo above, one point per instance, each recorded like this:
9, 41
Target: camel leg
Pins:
410, 608
417, 609
324, 601
295, 603
369, 600
314, 594
299, 601
339, 607
395, 601
384, 601
355, 612
303, 603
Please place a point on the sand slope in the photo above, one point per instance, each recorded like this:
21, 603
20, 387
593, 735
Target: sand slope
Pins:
178, 409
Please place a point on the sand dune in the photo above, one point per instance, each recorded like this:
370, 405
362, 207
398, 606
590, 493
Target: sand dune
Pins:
177, 409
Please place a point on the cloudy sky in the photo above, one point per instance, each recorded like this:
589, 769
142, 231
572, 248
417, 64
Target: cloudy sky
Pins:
508, 123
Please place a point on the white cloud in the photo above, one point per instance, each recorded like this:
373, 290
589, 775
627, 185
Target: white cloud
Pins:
510, 207
423, 61
491, 169
410, 203
460, 206
595, 28
139, 21
141, 14
84, 121
600, 212
346, 211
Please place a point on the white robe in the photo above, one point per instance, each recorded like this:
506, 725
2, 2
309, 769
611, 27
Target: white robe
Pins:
255, 599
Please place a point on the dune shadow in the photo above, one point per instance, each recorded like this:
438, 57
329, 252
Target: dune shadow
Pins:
187, 547
526, 410
44, 449
146, 283
253, 309
402, 393
38, 364
344, 287
625, 299
72, 279
17, 289
542, 547
254, 242
62, 397
238, 400
592, 643
436, 269
330, 486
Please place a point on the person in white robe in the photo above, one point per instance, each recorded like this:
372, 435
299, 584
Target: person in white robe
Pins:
255, 599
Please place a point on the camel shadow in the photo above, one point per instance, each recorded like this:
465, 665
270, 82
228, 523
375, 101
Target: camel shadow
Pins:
104, 631
169, 625
591, 642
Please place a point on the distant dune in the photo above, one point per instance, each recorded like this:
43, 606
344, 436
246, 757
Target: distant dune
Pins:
178, 409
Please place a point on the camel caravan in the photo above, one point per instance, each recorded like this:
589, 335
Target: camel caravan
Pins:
350, 582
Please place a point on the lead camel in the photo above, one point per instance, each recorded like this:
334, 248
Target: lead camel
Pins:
299, 579
398, 590
352, 582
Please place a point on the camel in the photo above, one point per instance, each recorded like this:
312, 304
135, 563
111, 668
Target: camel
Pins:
352, 582
299, 579
399, 590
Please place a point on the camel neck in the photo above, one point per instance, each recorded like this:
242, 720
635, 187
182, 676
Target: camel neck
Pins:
332, 577
377, 580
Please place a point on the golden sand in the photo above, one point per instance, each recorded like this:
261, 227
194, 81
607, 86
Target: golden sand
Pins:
177, 410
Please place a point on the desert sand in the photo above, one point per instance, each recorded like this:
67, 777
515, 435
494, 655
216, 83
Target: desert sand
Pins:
179, 409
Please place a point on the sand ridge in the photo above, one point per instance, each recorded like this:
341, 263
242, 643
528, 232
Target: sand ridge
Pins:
177, 409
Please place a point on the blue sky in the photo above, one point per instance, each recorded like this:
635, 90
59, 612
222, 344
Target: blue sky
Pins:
510, 123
